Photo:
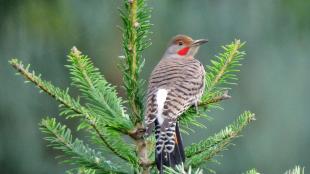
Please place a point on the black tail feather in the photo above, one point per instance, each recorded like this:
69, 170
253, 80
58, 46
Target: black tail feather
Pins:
174, 158
159, 162
179, 148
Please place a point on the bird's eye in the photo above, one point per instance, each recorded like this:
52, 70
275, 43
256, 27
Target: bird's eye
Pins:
180, 43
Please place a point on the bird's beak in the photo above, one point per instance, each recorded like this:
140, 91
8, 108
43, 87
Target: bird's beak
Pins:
199, 42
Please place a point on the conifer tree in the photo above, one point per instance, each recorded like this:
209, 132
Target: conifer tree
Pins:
115, 124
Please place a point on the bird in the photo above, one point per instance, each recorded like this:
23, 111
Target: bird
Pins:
176, 83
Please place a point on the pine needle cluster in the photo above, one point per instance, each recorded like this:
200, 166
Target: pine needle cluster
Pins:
115, 125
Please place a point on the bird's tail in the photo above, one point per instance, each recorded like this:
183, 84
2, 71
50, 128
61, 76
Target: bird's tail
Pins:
177, 156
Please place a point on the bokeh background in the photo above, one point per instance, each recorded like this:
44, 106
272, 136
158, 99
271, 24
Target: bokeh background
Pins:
274, 80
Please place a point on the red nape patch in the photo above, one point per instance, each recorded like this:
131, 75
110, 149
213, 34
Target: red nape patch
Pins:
183, 51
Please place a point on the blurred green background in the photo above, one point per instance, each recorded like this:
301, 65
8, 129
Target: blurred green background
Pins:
274, 79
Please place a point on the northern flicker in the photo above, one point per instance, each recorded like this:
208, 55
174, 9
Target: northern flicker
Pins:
176, 83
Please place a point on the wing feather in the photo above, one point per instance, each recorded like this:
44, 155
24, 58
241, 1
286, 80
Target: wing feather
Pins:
184, 81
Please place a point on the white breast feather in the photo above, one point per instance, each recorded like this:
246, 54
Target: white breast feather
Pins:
161, 96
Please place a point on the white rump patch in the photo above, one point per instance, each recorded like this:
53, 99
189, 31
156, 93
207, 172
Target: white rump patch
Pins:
161, 96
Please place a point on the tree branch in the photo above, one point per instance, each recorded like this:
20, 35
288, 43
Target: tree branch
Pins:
229, 60
135, 29
216, 99
60, 138
131, 67
72, 104
133, 45
207, 149
109, 146
101, 97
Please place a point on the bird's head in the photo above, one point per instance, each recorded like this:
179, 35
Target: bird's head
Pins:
182, 46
